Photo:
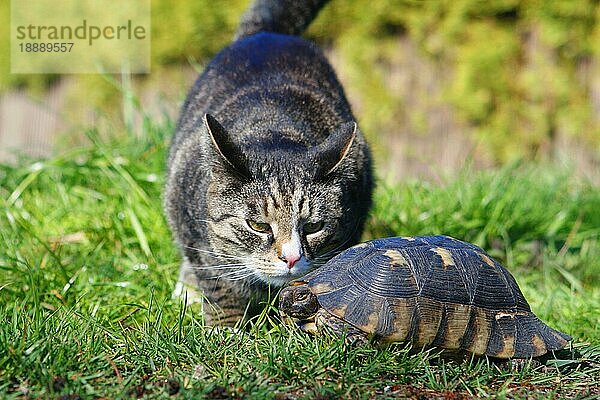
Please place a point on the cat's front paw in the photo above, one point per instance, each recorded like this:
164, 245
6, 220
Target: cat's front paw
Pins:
184, 291
187, 285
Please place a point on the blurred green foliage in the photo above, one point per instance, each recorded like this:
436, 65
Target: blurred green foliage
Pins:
519, 70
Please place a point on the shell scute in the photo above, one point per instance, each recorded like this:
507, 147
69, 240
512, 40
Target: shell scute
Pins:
445, 282
502, 336
385, 320
477, 334
429, 319
384, 275
403, 310
353, 305
492, 290
454, 322
337, 301
528, 339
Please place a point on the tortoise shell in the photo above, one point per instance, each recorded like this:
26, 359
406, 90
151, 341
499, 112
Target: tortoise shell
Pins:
433, 291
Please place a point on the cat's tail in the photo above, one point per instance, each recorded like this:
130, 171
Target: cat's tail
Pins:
290, 17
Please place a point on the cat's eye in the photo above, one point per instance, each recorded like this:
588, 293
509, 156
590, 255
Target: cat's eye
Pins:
312, 227
261, 227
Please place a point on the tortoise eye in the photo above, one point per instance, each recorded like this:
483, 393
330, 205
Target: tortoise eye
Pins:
312, 227
261, 227
301, 296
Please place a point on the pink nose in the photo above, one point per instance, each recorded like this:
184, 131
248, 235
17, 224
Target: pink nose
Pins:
291, 260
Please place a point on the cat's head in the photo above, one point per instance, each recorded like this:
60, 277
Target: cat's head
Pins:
277, 210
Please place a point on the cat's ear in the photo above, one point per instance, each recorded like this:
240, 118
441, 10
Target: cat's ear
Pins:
335, 148
230, 153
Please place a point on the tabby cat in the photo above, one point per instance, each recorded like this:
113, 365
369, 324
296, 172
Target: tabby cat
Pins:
268, 174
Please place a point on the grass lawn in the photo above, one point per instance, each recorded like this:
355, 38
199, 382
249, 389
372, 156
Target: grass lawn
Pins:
87, 266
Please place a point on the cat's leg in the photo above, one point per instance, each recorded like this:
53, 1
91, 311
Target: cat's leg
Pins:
221, 305
225, 303
187, 284
189, 287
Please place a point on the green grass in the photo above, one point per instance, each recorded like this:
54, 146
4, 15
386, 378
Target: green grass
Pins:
87, 266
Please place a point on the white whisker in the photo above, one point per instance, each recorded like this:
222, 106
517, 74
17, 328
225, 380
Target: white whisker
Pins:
234, 275
219, 255
219, 267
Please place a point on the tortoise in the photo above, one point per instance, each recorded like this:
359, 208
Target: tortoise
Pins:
434, 291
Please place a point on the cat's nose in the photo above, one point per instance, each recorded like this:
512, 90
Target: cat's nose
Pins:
291, 250
291, 260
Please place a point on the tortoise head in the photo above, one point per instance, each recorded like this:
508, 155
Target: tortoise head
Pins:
297, 301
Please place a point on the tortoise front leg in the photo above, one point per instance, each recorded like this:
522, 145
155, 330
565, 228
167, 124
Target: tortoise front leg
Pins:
325, 321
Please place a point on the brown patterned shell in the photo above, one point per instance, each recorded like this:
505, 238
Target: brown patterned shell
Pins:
433, 290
